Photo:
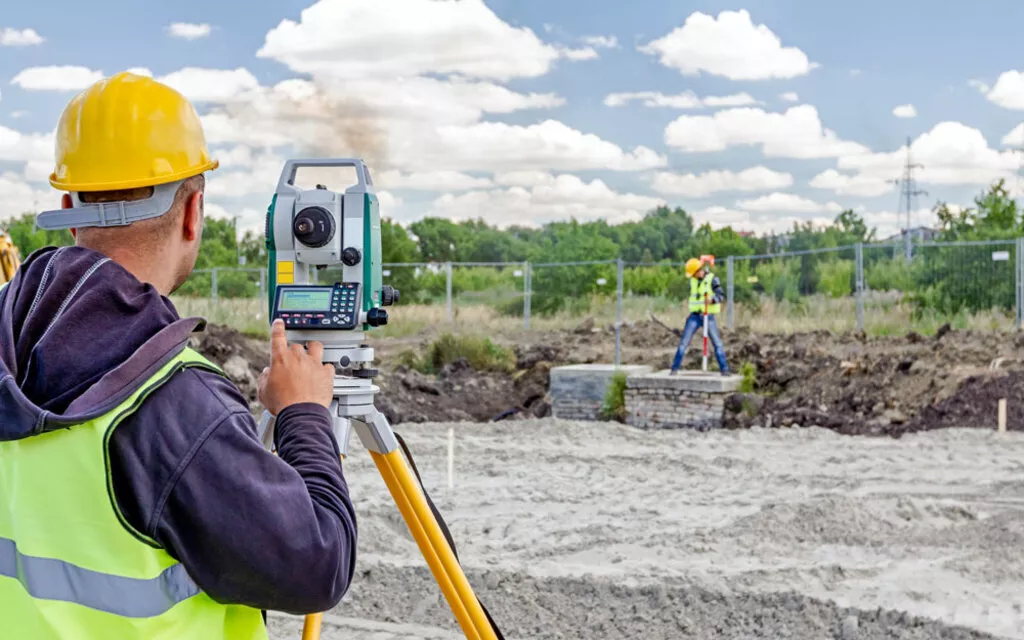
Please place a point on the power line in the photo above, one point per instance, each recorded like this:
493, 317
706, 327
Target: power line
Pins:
908, 199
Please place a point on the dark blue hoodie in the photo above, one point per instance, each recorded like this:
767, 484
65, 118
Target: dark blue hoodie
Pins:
78, 334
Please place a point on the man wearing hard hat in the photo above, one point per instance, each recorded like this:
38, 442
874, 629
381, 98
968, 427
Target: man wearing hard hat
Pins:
706, 296
135, 498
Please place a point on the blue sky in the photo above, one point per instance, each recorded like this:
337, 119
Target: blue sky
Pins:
433, 82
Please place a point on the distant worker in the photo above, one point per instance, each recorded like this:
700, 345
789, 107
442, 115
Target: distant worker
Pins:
703, 284
136, 500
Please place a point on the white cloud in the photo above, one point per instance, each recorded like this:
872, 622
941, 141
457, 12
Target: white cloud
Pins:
951, 152
38, 170
730, 46
497, 146
19, 37
586, 53
140, 71
189, 31
797, 133
567, 196
905, 111
788, 203
525, 178
856, 72
602, 42
761, 223
432, 181
1008, 91
1015, 138
212, 85
249, 219
24, 147
21, 113
856, 185
18, 197
980, 85
685, 100
790, 96
401, 38
56, 78
700, 186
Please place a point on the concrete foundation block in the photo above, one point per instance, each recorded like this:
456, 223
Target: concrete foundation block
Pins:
578, 391
688, 400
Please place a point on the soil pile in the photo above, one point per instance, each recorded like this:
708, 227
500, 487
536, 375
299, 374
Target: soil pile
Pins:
848, 383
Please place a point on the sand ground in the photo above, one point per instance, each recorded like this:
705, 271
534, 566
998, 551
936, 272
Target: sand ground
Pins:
578, 530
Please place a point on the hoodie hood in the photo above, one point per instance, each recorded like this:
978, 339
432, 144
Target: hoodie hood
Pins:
78, 335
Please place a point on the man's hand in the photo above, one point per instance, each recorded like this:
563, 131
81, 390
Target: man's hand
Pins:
296, 375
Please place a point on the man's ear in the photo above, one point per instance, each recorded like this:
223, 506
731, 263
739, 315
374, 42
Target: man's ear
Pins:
65, 203
192, 221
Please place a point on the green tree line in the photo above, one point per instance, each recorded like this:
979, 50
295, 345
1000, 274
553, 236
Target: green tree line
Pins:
663, 236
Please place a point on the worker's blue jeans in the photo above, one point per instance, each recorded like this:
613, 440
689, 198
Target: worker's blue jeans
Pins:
694, 322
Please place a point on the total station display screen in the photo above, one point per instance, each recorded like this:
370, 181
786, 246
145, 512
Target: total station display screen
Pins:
305, 300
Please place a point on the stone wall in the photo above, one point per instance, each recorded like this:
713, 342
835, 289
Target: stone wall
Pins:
578, 391
689, 400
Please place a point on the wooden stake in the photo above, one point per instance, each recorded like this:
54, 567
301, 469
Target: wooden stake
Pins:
1002, 415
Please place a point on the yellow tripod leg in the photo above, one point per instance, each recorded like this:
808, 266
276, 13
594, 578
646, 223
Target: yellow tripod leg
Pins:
427, 532
311, 629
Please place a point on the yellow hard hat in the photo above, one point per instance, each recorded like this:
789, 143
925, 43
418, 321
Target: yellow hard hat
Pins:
125, 132
692, 266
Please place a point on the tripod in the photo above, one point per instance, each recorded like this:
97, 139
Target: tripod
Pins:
352, 405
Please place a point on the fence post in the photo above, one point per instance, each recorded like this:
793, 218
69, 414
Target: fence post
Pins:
213, 284
527, 290
730, 287
860, 285
448, 289
263, 283
1019, 258
618, 310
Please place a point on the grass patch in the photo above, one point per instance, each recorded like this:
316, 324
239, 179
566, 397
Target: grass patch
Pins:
749, 373
614, 406
481, 353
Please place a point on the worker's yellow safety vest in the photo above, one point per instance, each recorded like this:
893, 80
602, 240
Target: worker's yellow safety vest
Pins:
700, 288
71, 567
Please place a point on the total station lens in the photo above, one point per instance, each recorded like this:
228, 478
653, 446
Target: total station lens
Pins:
314, 227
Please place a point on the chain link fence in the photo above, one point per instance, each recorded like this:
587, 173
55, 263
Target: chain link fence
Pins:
871, 288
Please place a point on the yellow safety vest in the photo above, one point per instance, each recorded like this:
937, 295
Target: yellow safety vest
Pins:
700, 288
71, 567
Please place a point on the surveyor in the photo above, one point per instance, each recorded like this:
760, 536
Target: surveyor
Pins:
136, 500
705, 292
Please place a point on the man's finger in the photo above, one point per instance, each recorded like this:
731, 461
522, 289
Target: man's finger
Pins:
278, 341
316, 350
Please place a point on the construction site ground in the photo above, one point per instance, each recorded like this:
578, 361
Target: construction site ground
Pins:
598, 530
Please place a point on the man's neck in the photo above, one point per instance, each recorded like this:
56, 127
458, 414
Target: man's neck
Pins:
148, 269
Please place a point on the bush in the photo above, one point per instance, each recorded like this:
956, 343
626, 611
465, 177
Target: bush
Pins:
481, 353
835, 278
614, 407
781, 279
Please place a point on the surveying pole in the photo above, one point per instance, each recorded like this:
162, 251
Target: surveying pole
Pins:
706, 307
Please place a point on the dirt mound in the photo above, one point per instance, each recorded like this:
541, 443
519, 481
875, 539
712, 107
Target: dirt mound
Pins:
879, 386
975, 404
457, 393
848, 383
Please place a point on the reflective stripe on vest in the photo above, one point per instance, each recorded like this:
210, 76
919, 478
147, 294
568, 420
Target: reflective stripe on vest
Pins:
72, 566
49, 579
698, 288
